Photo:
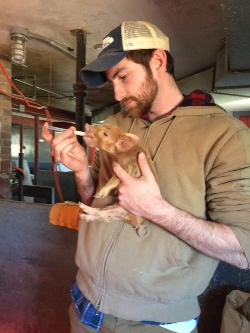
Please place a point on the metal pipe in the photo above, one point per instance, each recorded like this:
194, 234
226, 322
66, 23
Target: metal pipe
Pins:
36, 139
42, 89
26, 83
20, 164
80, 89
60, 47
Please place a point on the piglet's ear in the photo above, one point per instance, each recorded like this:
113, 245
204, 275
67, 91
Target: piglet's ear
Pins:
133, 136
126, 142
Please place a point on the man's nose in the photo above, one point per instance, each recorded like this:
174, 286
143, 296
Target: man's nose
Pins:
119, 92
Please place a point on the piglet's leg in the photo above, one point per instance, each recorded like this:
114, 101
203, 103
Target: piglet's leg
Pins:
114, 213
111, 185
108, 214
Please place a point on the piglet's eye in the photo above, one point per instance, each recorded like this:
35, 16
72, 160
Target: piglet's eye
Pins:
105, 134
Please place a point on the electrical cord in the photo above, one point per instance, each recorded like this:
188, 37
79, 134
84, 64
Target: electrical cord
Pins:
49, 120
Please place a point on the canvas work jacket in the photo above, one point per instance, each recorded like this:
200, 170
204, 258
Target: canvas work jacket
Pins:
202, 158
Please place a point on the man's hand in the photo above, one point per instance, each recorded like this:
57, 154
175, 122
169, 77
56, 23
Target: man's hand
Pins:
138, 195
66, 149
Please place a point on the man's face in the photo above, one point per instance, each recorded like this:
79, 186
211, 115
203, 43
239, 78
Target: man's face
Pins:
134, 87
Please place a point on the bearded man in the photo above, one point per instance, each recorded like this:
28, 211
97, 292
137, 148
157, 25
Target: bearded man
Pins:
198, 215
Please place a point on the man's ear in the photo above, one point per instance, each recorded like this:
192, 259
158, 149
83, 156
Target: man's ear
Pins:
126, 142
159, 61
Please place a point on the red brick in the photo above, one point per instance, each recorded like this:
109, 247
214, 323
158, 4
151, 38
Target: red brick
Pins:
5, 136
5, 103
5, 127
6, 166
5, 119
7, 112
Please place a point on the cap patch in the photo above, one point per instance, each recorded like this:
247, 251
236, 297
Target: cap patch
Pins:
107, 41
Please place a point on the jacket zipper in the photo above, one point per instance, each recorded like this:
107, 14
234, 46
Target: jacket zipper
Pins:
103, 272
98, 307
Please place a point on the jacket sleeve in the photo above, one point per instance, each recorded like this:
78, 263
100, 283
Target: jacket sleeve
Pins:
228, 186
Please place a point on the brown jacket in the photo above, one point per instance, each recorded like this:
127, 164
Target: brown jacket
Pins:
202, 158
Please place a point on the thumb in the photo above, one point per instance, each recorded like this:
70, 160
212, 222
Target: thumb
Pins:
46, 134
144, 165
119, 171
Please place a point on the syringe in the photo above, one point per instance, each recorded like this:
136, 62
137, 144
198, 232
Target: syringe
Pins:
59, 129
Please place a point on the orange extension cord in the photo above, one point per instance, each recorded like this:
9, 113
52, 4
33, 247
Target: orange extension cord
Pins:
35, 106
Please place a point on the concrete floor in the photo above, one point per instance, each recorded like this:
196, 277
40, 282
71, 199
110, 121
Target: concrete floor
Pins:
36, 270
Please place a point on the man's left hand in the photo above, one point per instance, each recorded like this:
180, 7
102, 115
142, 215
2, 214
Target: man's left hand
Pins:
138, 195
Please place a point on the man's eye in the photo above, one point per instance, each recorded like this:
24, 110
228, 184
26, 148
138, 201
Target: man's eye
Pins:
123, 77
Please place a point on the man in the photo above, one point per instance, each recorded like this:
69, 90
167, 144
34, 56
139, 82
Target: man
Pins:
199, 214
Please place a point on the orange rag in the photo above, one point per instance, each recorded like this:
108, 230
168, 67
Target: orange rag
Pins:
65, 215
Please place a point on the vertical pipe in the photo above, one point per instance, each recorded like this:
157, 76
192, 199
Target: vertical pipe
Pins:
20, 163
80, 89
36, 155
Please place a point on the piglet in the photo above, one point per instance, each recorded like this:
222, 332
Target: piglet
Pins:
124, 149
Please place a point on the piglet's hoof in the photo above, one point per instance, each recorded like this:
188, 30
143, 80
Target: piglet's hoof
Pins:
90, 218
101, 194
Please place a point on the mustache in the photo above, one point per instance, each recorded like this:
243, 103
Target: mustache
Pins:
126, 99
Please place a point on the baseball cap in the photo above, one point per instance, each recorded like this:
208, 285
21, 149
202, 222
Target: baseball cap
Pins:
128, 36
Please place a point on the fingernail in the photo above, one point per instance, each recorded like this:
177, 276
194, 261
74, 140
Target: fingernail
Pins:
142, 155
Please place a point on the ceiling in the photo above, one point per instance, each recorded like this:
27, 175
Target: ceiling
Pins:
198, 31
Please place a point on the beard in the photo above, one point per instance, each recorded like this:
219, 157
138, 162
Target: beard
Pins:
144, 100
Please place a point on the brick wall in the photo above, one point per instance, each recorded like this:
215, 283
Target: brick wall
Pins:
5, 121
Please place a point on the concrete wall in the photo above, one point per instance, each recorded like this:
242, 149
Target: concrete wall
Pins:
36, 270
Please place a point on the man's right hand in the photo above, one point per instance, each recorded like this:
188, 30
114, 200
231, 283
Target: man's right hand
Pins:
66, 149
